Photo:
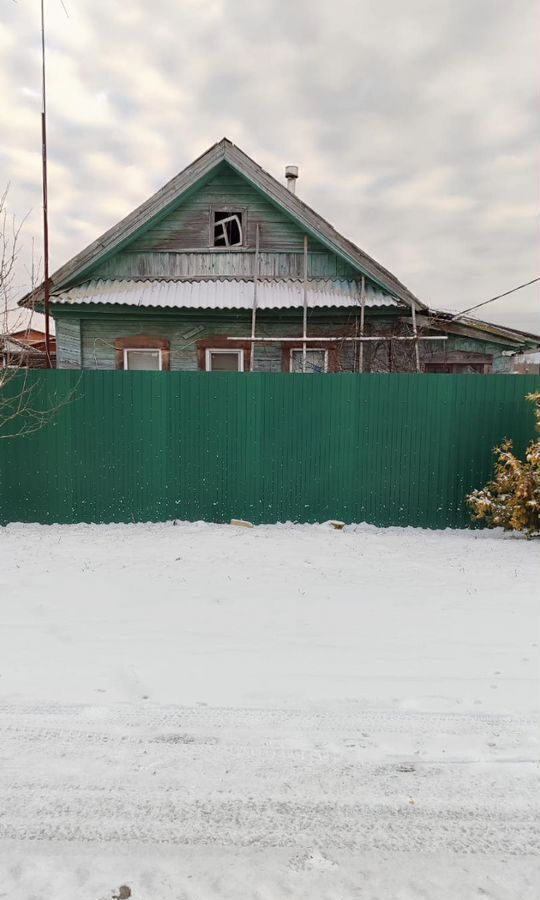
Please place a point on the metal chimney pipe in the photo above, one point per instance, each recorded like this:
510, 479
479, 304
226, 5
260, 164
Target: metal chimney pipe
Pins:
291, 174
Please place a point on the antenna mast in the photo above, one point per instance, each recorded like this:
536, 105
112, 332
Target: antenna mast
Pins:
47, 302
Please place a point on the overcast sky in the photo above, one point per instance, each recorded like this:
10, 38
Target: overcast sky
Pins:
414, 123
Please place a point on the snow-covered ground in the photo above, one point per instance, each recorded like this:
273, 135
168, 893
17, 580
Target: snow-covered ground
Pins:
202, 711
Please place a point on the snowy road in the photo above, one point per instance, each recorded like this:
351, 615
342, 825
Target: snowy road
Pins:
253, 778
336, 770
308, 791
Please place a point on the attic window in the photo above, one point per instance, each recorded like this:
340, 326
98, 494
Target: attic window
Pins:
228, 229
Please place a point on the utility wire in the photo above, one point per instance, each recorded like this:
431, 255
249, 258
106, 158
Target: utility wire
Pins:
498, 297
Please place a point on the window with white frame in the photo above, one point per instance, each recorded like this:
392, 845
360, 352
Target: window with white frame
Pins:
316, 360
143, 360
219, 360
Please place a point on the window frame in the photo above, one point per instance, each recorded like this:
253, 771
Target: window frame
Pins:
330, 347
143, 342
301, 350
239, 351
157, 350
227, 208
218, 342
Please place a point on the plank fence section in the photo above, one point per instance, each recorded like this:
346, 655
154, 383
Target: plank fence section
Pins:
155, 446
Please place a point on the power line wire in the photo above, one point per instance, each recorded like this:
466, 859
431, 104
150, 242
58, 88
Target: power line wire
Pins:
498, 297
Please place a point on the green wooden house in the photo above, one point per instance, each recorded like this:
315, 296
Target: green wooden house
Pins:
226, 269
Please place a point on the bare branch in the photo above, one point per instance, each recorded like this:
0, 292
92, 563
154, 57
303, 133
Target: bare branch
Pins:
25, 406
21, 412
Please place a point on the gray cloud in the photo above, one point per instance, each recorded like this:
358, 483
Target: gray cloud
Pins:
414, 124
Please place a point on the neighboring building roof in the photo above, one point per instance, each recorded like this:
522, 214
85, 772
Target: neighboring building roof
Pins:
19, 341
169, 196
220, 294
29, 336
467, 326
30, 347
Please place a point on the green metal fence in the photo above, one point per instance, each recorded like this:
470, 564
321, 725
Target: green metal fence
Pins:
153, 446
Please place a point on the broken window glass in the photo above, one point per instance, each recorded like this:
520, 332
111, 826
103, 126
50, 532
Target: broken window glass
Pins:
228, 229
316, 361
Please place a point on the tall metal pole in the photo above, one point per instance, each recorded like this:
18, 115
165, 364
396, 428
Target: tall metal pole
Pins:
47, 302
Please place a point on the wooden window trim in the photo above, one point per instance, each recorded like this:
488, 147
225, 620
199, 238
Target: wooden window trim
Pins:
143, 342
221, 342
331, 353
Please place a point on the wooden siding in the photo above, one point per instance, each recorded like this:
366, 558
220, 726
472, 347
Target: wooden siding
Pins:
89, 343
435, 352
68, 343
188, 226
238, 263
179, 244
99, 336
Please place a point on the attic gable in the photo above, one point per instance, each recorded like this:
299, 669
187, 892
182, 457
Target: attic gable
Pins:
190, 227
181, 243
177, 193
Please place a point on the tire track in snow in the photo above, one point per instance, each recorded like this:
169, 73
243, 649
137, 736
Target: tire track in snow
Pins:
266, 778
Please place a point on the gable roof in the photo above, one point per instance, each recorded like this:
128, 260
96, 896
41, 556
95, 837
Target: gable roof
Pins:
169, 196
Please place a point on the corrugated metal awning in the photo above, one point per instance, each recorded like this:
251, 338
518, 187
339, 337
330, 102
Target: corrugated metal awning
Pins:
220, 294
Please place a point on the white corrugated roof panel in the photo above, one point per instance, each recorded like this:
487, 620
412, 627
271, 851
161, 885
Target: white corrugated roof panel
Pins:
220, 294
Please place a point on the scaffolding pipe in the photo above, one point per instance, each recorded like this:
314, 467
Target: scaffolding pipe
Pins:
254, 310
362, 320
301, 338
415, 332
356, 367
304, 319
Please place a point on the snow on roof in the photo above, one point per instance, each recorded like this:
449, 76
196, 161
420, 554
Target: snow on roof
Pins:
220, 294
